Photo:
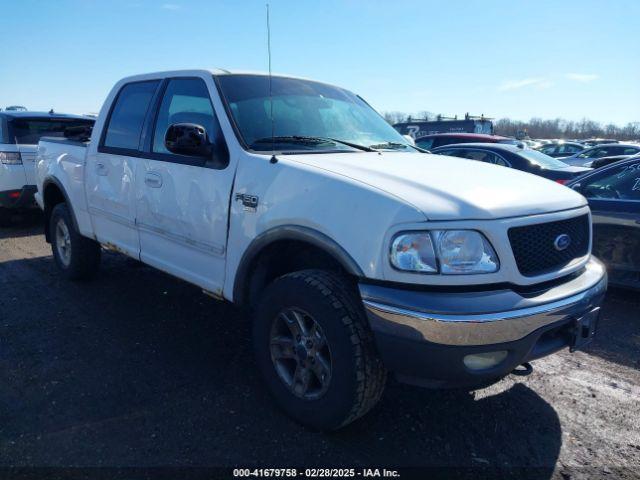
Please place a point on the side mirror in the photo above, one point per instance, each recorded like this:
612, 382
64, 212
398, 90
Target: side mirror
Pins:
188, 139
577, 187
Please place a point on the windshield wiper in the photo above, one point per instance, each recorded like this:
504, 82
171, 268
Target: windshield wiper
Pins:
397, 146
389, 145
309, 140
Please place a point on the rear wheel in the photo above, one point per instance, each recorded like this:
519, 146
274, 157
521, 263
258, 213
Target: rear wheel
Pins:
78, 257
315, 350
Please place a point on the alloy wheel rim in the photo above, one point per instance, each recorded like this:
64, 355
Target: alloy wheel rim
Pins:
63, 242
300, 354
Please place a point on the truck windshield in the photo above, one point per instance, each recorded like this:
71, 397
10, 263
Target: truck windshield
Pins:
304, 110
28, 131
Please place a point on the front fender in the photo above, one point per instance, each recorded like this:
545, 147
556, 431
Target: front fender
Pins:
346, 218
290, 232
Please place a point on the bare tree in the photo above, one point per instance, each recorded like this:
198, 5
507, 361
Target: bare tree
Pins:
541, 128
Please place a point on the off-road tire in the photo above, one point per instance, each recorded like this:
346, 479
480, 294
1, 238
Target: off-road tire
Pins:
84, 258
358, 376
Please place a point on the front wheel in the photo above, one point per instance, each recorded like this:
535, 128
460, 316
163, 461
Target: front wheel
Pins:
77, 257
315, 350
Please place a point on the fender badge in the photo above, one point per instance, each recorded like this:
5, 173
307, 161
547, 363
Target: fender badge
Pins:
249, 202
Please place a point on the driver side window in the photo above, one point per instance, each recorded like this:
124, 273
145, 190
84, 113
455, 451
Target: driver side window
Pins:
622, 183
186, 100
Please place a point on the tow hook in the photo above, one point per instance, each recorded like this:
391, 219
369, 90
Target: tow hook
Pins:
522, 370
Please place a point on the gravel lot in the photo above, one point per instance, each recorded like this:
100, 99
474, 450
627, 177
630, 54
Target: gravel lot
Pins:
139, 369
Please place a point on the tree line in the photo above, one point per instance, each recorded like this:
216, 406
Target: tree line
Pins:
541, 128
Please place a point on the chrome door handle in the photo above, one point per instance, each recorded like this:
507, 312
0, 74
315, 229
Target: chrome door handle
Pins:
153, 180
101, 169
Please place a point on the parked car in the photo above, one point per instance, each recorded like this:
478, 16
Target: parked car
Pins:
562, 149
604, 161
20, 132
613, 193
436, 140
584, 158
513, 156
592, 142
356, 253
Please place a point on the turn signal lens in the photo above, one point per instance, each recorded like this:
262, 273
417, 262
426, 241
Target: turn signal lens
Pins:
10, 158
414, 252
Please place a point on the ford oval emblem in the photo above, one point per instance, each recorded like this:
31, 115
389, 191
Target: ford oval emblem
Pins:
562, 242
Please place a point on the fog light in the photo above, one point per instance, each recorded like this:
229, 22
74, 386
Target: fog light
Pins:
481, 361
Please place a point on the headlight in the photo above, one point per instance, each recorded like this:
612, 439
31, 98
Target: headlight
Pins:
465, 251
450, 252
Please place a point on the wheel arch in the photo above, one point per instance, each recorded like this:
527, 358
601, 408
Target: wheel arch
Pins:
53, 193
293, 245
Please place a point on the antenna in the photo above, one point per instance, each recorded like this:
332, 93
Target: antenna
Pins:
273, 137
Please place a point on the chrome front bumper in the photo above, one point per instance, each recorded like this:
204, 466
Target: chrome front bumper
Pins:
476, 318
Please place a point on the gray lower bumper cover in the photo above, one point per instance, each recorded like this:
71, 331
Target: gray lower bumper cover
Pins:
480, 318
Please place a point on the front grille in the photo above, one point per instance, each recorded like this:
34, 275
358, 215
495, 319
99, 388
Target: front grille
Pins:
534, 247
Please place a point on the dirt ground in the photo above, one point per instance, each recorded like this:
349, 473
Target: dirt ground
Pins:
139, 369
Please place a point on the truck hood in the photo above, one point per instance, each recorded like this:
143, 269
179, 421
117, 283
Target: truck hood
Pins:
450, 188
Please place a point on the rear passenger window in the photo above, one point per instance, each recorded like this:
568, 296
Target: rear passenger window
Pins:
496, 160
599, 152
548, 149
128, 114
486, 157
567, 149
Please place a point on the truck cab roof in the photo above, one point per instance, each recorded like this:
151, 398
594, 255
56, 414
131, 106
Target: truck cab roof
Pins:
216, 72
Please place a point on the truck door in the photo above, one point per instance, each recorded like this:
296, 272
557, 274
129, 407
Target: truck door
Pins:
182, 201
110, 168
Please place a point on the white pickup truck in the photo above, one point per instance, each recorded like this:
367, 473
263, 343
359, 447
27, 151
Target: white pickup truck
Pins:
355, 252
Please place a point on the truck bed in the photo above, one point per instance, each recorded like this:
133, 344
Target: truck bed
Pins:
66, 157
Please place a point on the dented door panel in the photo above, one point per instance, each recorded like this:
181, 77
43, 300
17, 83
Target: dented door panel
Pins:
183, 222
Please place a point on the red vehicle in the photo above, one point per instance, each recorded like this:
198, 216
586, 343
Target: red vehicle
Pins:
439, 139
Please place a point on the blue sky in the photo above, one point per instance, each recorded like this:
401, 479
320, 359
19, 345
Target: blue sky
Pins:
569, 58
